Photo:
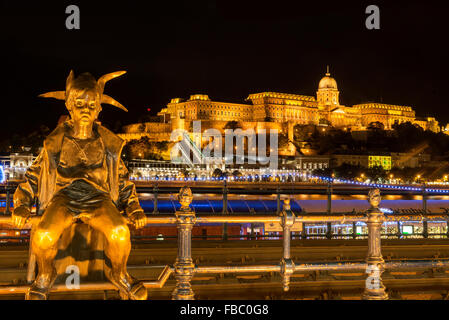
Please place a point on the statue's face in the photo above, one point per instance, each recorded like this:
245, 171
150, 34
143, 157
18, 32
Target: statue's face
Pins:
84, 106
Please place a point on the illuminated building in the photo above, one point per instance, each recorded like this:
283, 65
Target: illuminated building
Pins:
403, 160
385, 113
379, 161
365, 161
15, 165
274, 110
352, 159
387, 161
306, 164
200, 107
166, 170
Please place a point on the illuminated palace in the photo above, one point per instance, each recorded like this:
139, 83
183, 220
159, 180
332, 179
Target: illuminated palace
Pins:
275, 110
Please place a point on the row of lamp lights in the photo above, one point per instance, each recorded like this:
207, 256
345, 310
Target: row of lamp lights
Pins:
295, 174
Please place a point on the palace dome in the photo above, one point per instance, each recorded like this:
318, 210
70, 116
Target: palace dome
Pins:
327, 82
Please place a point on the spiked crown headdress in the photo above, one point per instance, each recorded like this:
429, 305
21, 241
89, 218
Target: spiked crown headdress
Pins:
87, 81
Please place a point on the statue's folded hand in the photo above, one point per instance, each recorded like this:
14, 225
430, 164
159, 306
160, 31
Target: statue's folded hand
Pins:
20, 217
139, 219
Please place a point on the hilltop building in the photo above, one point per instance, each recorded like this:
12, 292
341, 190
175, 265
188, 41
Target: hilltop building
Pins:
274, 110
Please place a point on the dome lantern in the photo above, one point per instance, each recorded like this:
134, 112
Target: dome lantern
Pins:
327, 82
327, 94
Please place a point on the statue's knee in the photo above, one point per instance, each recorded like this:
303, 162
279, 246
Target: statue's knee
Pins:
119, 234
44, 238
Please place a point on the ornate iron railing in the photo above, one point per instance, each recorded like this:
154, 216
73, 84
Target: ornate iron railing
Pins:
184, 269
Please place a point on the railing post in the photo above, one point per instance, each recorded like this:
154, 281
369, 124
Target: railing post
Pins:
184, 266
329, 197
424, 198
304, 231
374, 288
447, 227
225, 197
329, 209
425, 232
354, 230
329, 231
251, 234
252, 237
155, 191
278, 200
225, 209
8, 200
287, 264
425, 229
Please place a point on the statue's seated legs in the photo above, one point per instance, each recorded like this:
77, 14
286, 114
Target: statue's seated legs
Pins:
103, 217
108, 220
43, 242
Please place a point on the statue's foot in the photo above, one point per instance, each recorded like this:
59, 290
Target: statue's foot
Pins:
138, 292
41, 286
36, 293
130, 288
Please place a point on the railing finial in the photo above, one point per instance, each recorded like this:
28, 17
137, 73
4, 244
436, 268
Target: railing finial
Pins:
287, 204
374, 198
185, 198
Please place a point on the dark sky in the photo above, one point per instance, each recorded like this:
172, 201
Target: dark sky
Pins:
226, 49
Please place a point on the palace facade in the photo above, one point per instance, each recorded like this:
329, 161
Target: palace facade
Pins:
282, 111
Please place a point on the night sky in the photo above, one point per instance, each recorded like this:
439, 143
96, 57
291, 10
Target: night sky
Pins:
226, 49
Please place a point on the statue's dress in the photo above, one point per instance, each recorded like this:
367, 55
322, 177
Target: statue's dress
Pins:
82, 175
82, 172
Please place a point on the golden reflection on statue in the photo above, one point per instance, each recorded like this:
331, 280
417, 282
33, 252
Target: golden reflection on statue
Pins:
79, 176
